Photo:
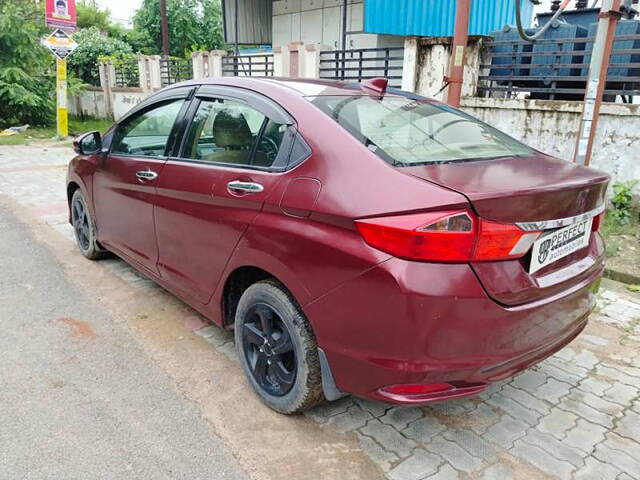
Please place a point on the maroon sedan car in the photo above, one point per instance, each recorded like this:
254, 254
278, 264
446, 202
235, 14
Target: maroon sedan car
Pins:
359, 240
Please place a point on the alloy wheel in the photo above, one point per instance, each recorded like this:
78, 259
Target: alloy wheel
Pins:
268, 349
80, 220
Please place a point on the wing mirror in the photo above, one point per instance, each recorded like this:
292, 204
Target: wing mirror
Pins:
88, 143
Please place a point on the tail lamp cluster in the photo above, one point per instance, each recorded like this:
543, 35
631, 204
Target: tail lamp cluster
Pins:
448, 236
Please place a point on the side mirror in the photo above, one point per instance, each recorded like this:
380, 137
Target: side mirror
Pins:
88, 143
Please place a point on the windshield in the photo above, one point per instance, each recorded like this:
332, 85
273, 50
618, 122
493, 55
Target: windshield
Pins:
407, 132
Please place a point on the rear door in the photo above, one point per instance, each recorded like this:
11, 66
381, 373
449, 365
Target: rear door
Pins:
234, 151
125, 182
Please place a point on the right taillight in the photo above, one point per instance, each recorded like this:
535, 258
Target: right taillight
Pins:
450, 236
597, 222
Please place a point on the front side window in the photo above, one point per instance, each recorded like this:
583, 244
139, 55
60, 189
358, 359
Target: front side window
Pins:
406, 132
146, 134
227, 131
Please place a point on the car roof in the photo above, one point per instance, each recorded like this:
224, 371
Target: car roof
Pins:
305, 87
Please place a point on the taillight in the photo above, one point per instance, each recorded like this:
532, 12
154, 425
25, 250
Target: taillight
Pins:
597, 222
451, 236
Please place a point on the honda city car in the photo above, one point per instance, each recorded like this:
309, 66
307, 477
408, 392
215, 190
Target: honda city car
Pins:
358, 239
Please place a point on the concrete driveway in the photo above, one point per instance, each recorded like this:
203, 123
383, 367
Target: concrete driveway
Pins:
106, 375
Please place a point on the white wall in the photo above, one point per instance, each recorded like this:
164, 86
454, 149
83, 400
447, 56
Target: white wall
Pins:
125, 99
320, 22
551, 126
90, 103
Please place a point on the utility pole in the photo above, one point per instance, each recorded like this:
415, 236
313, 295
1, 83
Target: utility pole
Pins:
458, 48
164, 28
597, 80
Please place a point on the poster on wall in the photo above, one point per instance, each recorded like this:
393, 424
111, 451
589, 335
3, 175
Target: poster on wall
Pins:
60, 13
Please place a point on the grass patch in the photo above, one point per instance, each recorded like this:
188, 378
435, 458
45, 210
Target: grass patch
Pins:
76, 127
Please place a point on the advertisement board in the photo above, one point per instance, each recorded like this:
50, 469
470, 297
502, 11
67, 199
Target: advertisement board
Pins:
60, 13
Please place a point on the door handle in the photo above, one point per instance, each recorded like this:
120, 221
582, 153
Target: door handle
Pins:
245, 187
146, 175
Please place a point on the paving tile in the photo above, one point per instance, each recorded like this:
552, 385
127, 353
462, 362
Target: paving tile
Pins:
445, 472
583, 410
586, 359
554, 447
389, 438
498, 471
622, 394
594, 385
552, 390
542, 460
620, 459
529, 380
322, 412
472, 443
594, 339
400, 417
454, 454
515, 409
506, 431
557, 423
596, 470
353, 418
418, 466
585, 435
378, 454
377, 409
424, 430
525, 399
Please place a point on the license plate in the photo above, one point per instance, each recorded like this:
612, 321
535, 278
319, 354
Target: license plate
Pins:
560, 243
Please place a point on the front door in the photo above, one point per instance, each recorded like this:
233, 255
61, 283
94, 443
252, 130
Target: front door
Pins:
126, 180
210, 193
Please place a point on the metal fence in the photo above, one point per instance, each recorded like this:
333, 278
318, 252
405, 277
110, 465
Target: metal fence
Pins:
557, 69
248, 65
174, 70
362, 64
127, 73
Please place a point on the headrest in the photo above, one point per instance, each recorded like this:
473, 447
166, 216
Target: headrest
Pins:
230, 129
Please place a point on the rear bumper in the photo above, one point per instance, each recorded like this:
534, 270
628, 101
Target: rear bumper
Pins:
419, 323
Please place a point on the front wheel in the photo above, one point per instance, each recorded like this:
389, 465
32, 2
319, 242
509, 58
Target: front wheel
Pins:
277, 349
84, 228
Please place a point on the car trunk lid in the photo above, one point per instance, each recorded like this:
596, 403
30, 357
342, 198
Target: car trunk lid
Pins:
521, 190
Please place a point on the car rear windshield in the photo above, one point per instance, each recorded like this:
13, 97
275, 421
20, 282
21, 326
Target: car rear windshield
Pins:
407, 132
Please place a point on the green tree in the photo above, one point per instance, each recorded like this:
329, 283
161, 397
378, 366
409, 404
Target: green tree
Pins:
27, 89
193, 25
92, 45
89, 15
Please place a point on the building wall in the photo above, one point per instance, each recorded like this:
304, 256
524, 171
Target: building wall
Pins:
320, 21
90, 103
437, 17
551, 126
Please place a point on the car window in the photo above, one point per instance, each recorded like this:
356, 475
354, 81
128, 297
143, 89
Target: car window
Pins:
146, 134
407, 132
227, 131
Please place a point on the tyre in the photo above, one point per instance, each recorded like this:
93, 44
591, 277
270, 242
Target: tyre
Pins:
277, 349
84, 228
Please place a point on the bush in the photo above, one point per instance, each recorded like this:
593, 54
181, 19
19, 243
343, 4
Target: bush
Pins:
621, 202
93, 45
27, 89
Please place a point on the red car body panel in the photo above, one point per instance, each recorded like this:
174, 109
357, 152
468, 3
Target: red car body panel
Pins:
380, 320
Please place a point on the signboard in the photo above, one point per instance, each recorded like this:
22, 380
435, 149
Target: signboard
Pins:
60, 13
60, 44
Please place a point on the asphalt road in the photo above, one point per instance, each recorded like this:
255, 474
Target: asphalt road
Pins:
79, 397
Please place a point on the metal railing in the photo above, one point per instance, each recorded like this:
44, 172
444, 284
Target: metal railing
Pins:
362, 64
260, 65
126, 73
174, 70
558, 69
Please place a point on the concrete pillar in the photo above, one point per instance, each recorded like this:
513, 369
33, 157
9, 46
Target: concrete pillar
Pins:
410, 64
199, 60
214, 63
153, 69
143, 74
107, 81
280, 61
310, 60
295, 59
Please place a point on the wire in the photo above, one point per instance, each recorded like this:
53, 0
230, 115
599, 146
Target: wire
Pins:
539, 33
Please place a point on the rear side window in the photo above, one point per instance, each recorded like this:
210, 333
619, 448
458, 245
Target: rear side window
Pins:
406, 132
145, 134
226, 131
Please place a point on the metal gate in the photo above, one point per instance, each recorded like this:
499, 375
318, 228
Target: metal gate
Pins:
362, 64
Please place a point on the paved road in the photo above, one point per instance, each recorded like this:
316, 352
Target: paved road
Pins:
79, 398
574, 416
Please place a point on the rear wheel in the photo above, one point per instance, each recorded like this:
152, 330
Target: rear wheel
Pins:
277, 348
84, 228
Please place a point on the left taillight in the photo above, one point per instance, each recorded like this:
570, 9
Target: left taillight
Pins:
449, 236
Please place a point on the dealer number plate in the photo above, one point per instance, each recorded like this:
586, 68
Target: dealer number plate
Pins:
560, 243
